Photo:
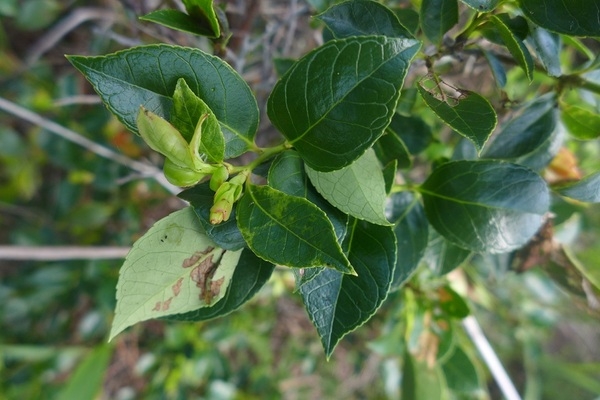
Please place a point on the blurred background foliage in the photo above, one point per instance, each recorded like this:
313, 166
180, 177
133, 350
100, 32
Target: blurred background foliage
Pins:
55, 316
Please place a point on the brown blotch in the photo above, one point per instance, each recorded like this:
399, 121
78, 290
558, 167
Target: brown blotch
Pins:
193, 260
177, 287
215, 288
166, 304
156, 306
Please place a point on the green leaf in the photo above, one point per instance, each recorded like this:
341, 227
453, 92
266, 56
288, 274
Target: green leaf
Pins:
451, 303
409, 18
443, 256
148, 75
485, 206
188, 111
249, 277
203, 12
389, 175
587, 189
339, 303
332, 118
581, 121
437, 17
86, 381
547, 45
528, 131
481, 5
362, 18
461, 374
573, 17
421, 382
389, 147
469, 113
288, 230
411, 229
515, 46
174, 268
414, 133
496, 67
226, 234
180, 21
358, 189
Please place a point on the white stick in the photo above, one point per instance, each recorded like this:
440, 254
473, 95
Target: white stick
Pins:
58, 253
474, 331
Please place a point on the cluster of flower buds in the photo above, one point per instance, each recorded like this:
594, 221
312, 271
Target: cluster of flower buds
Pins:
226, 194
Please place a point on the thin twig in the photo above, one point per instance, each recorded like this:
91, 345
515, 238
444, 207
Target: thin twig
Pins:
68, 134
61, 253
471, 326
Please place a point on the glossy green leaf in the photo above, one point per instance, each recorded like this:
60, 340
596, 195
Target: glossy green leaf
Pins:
174, 268
497, 68
203, 11
573, 17
461, 374
358, 189
249, 277
389, 175
543, 155
339, 303
389, 147
547, 46
587, 189
188, 112
411, 228
288, 230
515, 46
469, 113
532, 126
148, 75
582, 122
180, 21
485, 206
332, 118
287, 174
443, 256
226, 234
362, 18
414, 133
437, 17
409, 18
422, 382
86, 381
481, 5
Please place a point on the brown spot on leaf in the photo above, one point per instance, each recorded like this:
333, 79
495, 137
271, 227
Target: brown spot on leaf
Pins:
215, 288
166, 304
156, 306
177, 287
193, 260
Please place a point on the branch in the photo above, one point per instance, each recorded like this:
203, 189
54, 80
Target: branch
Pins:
59, 253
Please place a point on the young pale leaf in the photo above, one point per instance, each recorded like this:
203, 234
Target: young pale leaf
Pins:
437, 17
515, 46
583, 123
469, 114
587, 189
528, 131
189, 114
362, 18
339, 303
288, 230
180, 21
481, 5
174, 268
148, 75
203, 11
411, 228
461, 374
358, 189
423, 382
87, 379
547, 45
249, 277
333, 117
485, 206
226, 234
573, 17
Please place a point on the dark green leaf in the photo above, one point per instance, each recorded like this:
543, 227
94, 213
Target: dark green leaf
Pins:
411, 229
339, 303
362, 18
288, 230
357, 190
389, 175
528, 131
573, 17
485, 206
249, 277
496, 67
581, 121
452, 304
332, 118
148, 75
409, 18
437, 17
469, 113
515, 46
482, 5
412, 131
443, 256
203, 12
587, 189
178, 20
461, 374
390, 147
464, 150
282, 65
226, 234
547, 46
407, 101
